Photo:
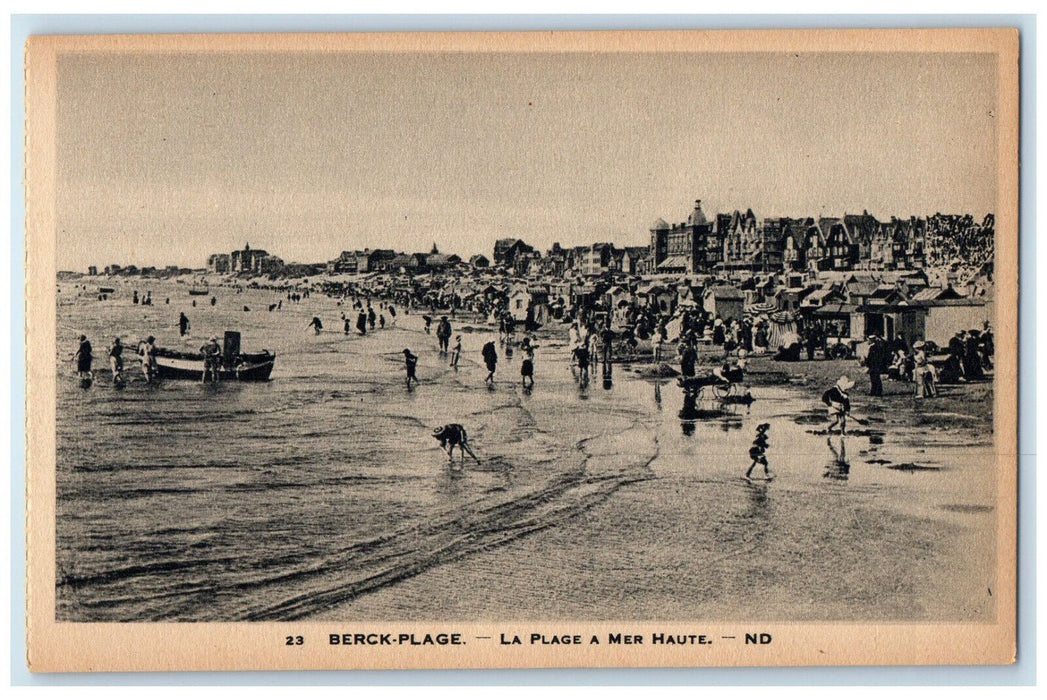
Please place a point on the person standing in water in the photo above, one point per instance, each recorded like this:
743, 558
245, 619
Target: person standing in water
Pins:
361, 323
456, 352
411, 364
490, 356
758, 452
183, 324
83, 357
581, 357
839, 403
527, 366
212, 353
116, 361
147, 358
443, 334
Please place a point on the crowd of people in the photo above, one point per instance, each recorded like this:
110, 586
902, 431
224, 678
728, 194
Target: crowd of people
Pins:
967, 356
958, 241
726, 343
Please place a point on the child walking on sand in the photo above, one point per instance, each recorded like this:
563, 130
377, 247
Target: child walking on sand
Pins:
758, 452
527, 366
411, 364
838, 402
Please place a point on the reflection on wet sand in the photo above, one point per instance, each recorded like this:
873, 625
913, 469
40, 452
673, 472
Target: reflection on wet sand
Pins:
325, 496
838, 467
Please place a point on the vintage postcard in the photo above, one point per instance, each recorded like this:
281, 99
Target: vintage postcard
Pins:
390, 351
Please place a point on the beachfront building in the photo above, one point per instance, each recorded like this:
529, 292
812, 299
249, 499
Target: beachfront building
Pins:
725, 302
742, 240
506, 251
792, 237
246, 260
377, 260
861, 229
479, 261
686, 248
839, 251
791, 298
92, 270
577, 258
409, 263
658, 297
634, 259
526, 263
361, 261
218, 263
554, 263
897, 245
529, 304
887, 320
438, 262
947, 311
270, 265
346, 263
598, 259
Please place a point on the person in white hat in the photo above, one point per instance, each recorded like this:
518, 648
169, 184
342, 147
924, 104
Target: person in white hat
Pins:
453, 435
839, 403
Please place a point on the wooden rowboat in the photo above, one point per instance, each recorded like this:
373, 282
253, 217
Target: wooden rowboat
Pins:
233, 364
245, 367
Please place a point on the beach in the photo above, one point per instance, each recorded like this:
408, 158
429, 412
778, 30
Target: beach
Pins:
322, 494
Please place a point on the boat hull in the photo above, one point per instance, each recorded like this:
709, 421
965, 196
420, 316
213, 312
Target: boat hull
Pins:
248, 368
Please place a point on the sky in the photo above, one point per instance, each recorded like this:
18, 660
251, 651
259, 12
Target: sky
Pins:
164, 159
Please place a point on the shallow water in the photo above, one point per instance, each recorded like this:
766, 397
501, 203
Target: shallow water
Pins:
322, 493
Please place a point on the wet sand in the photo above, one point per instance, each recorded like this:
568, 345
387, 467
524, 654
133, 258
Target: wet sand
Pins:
323, 495
695, 541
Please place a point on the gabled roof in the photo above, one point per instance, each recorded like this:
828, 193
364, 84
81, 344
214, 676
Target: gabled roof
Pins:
836, 309
861, 288
440, 260
936, 294
965, 301
721, 292
861, 227
818, 296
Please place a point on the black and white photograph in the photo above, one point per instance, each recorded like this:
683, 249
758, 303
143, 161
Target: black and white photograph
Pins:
591, 334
